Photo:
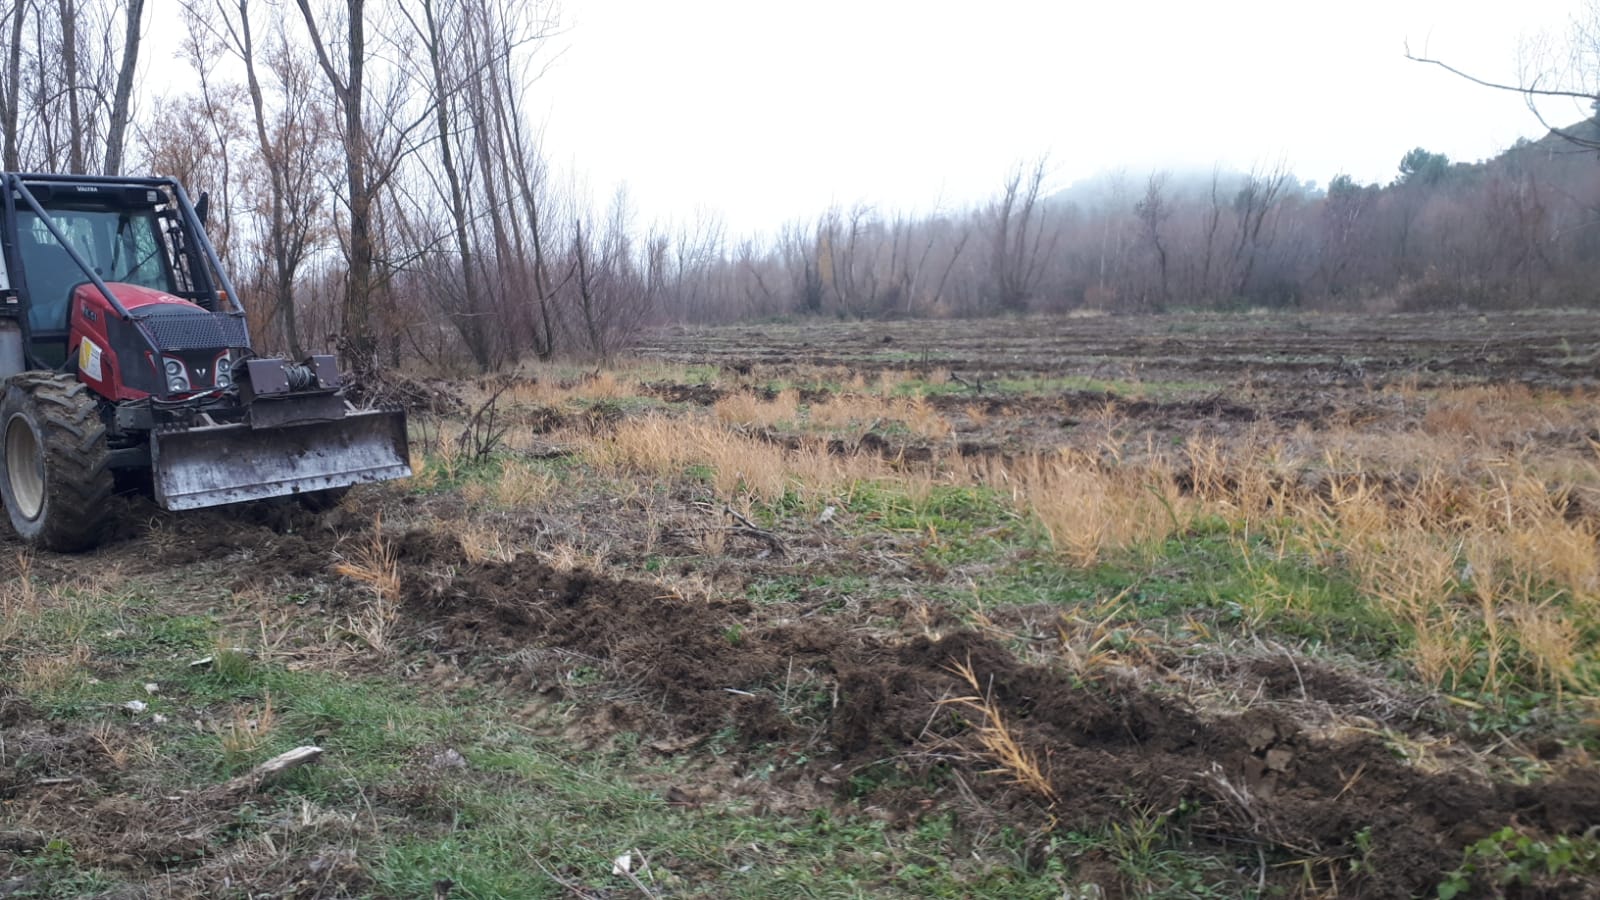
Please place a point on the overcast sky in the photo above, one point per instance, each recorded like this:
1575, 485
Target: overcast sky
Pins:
763, 111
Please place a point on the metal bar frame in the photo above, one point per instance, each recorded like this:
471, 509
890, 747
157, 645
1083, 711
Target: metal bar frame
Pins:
18, 183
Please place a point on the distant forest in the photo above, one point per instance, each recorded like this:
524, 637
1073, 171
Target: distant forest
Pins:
377, 185
1522, 229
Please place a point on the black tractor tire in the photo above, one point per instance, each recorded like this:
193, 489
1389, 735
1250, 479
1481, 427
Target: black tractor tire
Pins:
55, 474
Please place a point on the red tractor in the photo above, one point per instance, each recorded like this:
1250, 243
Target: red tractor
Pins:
126, 360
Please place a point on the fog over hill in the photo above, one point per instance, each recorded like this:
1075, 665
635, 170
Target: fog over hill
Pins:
1517, 230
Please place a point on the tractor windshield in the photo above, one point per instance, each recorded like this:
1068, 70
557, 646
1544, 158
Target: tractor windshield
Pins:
118, 244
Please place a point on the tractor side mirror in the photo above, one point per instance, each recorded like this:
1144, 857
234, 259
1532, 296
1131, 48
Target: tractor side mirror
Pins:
202, 206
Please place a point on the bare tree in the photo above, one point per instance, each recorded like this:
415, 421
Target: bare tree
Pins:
470, 317
11, 91
1153, 212
1252, 205
349, 91
123, 97
1583, 59
1016, 233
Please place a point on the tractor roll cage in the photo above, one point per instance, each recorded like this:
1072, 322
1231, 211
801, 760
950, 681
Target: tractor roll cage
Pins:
16, 186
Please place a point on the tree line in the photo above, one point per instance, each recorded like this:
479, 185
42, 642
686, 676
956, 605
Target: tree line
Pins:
1520, 230
378, 186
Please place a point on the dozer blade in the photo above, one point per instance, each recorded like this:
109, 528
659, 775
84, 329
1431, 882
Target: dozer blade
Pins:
215, 464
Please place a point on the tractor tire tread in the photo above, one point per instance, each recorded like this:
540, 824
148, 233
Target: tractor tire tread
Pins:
79, 480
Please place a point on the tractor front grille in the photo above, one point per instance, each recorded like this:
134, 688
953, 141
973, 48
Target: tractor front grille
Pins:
194, 330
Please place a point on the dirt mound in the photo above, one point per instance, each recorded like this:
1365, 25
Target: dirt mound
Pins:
276, 538
1108, 749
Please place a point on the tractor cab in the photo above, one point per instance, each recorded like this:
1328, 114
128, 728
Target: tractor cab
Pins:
65, 239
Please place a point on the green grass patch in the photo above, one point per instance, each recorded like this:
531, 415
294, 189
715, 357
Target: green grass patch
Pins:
445, 473
573, 822
961, 524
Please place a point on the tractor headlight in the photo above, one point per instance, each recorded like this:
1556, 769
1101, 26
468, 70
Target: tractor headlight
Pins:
224, 370
177, 375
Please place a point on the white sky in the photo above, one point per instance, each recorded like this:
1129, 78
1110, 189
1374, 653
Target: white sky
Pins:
763, 111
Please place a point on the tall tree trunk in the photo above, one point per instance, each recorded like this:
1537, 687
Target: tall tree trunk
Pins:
283, 266
13, 88
69, 75
355, 319
471, 320
586, 298
123, 97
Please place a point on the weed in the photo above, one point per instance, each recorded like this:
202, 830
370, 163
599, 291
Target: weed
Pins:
481, 542
522, 485
231, 665
19, 598
1088, 511
1093, 644
1509, 857
52, 673
999, 739
568, 556
374, 563
246, 731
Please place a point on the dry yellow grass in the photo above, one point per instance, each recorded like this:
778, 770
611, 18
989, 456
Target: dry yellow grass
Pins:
1479, 563
1492, 414
567, 556
522, 484
741, 408
47, 673
114, 753
1469, 548
856, 411
740, 465
1094, 642
1088, 510
851, 410
889, 381
375, 564
484, 543
999, 739
923, 420
247, 730
19, 598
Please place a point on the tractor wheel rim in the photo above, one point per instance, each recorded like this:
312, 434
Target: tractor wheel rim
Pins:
25, 467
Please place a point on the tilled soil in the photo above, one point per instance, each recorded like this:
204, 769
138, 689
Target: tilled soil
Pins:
1110, 748
1309, 351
